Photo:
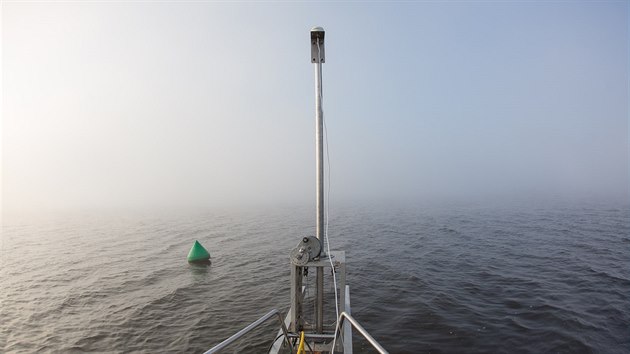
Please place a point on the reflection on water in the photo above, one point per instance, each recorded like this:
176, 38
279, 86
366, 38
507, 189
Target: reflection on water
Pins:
199, 268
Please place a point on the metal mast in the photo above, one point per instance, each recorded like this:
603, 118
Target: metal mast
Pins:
317, 57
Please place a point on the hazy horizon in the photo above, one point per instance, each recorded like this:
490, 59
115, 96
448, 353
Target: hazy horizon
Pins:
183, 105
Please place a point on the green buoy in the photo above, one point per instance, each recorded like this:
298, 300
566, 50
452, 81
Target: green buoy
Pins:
198, 253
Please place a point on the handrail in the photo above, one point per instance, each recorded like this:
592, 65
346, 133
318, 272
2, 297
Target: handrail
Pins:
361, 330
250, 327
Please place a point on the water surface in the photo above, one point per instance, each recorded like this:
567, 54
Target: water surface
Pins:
448, 279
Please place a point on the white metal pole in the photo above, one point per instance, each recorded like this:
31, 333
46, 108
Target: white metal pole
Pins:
317, 56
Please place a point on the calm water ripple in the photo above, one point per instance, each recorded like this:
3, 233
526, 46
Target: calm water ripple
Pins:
424, 280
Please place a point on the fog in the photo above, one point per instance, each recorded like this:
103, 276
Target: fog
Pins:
195, 104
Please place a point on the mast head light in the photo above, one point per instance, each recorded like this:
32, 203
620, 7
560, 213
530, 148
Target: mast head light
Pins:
317, 51
317, 29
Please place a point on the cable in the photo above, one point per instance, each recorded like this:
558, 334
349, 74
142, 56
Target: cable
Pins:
321, 95
309, 346
332, 348
301, 346
291, 334
274, 342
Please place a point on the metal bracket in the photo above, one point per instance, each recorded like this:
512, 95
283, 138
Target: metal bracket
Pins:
317, 35
297, 291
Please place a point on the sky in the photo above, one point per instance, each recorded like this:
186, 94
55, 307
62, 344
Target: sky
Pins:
190, 104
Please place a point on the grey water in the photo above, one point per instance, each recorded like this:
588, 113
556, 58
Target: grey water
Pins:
462, 278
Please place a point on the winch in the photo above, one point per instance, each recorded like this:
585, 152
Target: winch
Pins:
307, 250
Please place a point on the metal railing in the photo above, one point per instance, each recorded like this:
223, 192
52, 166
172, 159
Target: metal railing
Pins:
345, 316
217, 348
